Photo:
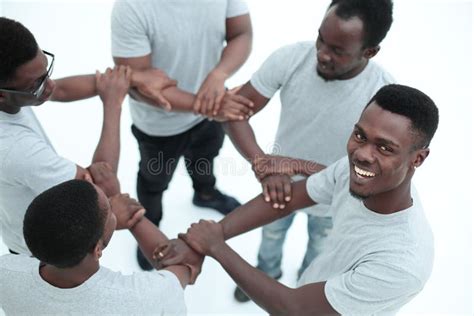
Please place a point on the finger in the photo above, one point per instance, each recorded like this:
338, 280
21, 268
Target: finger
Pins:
287, 189
217, 105
197, 105
163, 101
280, 193
136, 217
243, 100
211, 100
266, 193
273, 196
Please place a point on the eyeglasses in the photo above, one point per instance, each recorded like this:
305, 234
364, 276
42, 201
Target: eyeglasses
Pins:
39, 87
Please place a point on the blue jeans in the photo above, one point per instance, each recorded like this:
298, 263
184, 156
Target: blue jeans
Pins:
273, 237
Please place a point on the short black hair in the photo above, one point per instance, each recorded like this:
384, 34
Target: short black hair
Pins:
17, 46
413, 104
64, 223
375, 14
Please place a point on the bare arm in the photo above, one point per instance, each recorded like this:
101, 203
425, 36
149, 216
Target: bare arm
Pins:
113, 87
74, 88
207, 238
241, 132
239, 45
180, 100
149, 237
257, 212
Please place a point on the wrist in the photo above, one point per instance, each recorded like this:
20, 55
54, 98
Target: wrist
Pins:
220, 73
218, 250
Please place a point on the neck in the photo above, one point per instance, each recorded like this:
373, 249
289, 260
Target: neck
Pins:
354, 72
390, 202
10, 109
69, 277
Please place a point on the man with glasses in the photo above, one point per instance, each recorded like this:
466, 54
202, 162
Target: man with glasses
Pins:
28, 162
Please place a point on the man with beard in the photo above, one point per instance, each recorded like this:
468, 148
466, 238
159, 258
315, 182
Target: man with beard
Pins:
323, 87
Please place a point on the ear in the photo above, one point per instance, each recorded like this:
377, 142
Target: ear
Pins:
371, 52
98, 250
420, 156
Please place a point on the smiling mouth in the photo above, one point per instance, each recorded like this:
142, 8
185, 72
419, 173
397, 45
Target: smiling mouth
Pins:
361, 173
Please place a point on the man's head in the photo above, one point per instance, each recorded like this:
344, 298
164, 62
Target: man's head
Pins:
350, 35
67, 222
390, 141
24, 68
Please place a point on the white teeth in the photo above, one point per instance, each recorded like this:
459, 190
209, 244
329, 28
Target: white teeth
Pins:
363, 173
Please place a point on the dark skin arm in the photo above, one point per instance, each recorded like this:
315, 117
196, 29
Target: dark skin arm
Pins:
74, 88
207, 238
239, 44
237, 107
148, 237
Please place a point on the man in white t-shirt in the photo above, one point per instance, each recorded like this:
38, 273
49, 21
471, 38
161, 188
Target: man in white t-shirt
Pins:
380, 252
66, 228
28, 162
323, 88
185, 39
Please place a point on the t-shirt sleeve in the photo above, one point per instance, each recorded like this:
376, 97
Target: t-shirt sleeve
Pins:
129, 32
321, 186
35, 164
236, 8
164, 291
273, 73
371, 287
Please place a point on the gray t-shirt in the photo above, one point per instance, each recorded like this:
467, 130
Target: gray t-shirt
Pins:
317, 116
185, 39
23, 291
29, 165
372, 263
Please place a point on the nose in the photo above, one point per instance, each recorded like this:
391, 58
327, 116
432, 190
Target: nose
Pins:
323, 54
365, 154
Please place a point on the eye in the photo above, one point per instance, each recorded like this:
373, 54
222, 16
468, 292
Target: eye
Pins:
385, 149
358, 136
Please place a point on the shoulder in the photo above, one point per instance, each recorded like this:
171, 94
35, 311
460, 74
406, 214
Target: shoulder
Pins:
16, 264
380, 74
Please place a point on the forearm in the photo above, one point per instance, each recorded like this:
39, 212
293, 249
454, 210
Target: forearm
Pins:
74, 88
235, 54
306, 167
148, 237
181, 101
266, 292
257, 212
108, 148
242, 136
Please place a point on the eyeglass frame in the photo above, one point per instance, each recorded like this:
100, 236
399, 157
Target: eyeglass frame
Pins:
38, 91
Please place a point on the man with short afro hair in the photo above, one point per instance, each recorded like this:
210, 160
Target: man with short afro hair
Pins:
66, 228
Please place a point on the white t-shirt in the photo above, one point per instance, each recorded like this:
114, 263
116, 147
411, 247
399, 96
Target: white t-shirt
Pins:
23, 291
372, 263
185, 38
29, 165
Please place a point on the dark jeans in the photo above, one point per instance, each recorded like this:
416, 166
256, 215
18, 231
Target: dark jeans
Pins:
159, 158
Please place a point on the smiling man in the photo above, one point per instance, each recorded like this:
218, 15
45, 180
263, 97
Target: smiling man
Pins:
323, 86
380, 252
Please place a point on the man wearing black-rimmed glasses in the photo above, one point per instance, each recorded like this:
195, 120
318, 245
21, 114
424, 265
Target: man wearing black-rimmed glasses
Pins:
28, 162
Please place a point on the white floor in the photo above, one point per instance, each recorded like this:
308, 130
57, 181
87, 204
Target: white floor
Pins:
429, 47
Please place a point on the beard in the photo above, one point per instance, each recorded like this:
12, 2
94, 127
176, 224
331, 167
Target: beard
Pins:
358, 196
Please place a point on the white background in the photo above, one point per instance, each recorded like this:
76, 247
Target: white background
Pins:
429, 47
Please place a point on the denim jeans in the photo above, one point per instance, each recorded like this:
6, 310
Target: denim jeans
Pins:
273, 236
